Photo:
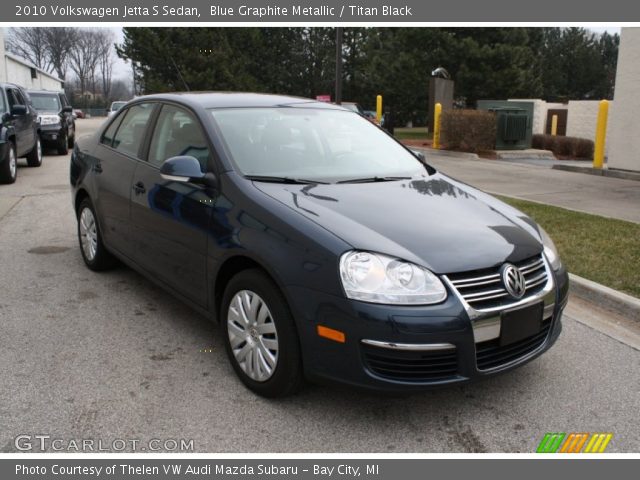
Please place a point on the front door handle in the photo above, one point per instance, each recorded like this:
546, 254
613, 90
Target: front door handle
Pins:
139, 188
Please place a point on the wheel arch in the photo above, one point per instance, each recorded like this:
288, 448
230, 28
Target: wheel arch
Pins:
230, 267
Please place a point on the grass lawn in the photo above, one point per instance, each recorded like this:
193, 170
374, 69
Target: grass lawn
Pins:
601, 249
417, 133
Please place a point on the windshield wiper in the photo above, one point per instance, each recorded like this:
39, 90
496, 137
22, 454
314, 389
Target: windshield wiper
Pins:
289, 180
373, 179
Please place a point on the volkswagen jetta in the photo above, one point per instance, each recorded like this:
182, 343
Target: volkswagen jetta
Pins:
324, 248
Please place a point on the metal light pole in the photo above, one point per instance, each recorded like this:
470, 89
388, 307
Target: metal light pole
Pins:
338, 65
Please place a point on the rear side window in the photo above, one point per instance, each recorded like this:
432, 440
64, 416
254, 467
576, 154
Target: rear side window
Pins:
3, 107
107, 137
131, 133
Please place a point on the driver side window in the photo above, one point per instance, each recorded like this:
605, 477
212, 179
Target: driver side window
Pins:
178, 132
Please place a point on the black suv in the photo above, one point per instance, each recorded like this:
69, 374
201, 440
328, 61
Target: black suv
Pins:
18, 131
55, 115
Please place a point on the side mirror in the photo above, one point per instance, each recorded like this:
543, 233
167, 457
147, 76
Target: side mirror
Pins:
419, 155
185, 168
67, 109
18, 110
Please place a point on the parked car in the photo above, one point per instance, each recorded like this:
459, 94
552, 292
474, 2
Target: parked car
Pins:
115, 106
78, 113
324, 248
18, 132
55, 115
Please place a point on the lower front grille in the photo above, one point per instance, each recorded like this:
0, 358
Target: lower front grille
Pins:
411, 366
492, 355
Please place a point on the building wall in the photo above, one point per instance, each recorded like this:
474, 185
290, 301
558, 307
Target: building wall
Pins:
624, 124
20, 74
13, 70
3, 66
583, 118
540, 108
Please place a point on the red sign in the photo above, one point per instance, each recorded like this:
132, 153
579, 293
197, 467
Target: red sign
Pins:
324, 98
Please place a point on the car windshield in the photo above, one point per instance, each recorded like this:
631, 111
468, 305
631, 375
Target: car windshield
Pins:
312, 144
115, 106
45, 103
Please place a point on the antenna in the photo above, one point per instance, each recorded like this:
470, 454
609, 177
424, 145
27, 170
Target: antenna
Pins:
179, 74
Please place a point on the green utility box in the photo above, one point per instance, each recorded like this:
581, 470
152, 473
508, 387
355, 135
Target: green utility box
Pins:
515, 123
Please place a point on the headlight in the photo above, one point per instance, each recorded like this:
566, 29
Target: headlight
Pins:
550, 250
377, 278
49, 119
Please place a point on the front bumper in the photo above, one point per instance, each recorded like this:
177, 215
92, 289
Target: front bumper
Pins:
51, 134
403, 348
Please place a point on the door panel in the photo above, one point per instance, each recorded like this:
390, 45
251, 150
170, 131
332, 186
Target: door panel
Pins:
23, 138
114, 166
171, 219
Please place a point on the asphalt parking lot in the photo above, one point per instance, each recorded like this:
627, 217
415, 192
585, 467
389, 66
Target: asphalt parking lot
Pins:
110, 356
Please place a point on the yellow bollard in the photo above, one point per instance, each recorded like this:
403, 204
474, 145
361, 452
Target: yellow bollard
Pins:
379, 108
601, 134
554, 125
436, 125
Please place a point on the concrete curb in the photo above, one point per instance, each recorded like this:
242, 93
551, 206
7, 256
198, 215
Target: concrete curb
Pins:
608, 298
603, 172
528, 154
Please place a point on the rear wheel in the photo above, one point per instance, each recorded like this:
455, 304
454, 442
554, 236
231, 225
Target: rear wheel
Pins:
94, 253
34, 158
9, 165
260, 335
63, 144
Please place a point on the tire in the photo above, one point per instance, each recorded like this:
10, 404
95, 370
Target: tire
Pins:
63, 144
92, 248
9, 165
268, 339
34, 158
72, 139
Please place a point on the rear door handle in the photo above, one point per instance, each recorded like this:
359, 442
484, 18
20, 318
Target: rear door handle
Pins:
139, 188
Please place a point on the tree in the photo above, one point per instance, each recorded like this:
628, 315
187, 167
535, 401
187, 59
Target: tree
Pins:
83, 59
30, 44
485, 63
59, 42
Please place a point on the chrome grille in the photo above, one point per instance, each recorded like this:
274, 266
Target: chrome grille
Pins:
483, 289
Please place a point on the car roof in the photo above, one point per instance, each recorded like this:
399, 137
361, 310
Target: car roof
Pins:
52, 92
237, 100
8, 84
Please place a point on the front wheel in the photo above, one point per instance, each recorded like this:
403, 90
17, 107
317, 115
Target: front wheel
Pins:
34, 158
260, 335
94, 253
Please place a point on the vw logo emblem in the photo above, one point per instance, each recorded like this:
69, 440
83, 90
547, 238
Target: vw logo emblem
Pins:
513, 280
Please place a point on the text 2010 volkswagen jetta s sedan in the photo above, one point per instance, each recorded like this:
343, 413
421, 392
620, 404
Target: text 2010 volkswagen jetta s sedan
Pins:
325, 249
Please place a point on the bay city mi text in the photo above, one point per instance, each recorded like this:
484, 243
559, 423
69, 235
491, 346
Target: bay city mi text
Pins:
342, 470
215, 11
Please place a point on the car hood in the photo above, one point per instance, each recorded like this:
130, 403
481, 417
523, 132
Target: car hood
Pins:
440, 223
47, 112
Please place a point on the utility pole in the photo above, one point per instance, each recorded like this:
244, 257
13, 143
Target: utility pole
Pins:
338, 65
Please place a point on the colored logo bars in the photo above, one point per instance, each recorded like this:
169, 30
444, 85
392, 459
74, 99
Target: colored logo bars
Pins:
574, 443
